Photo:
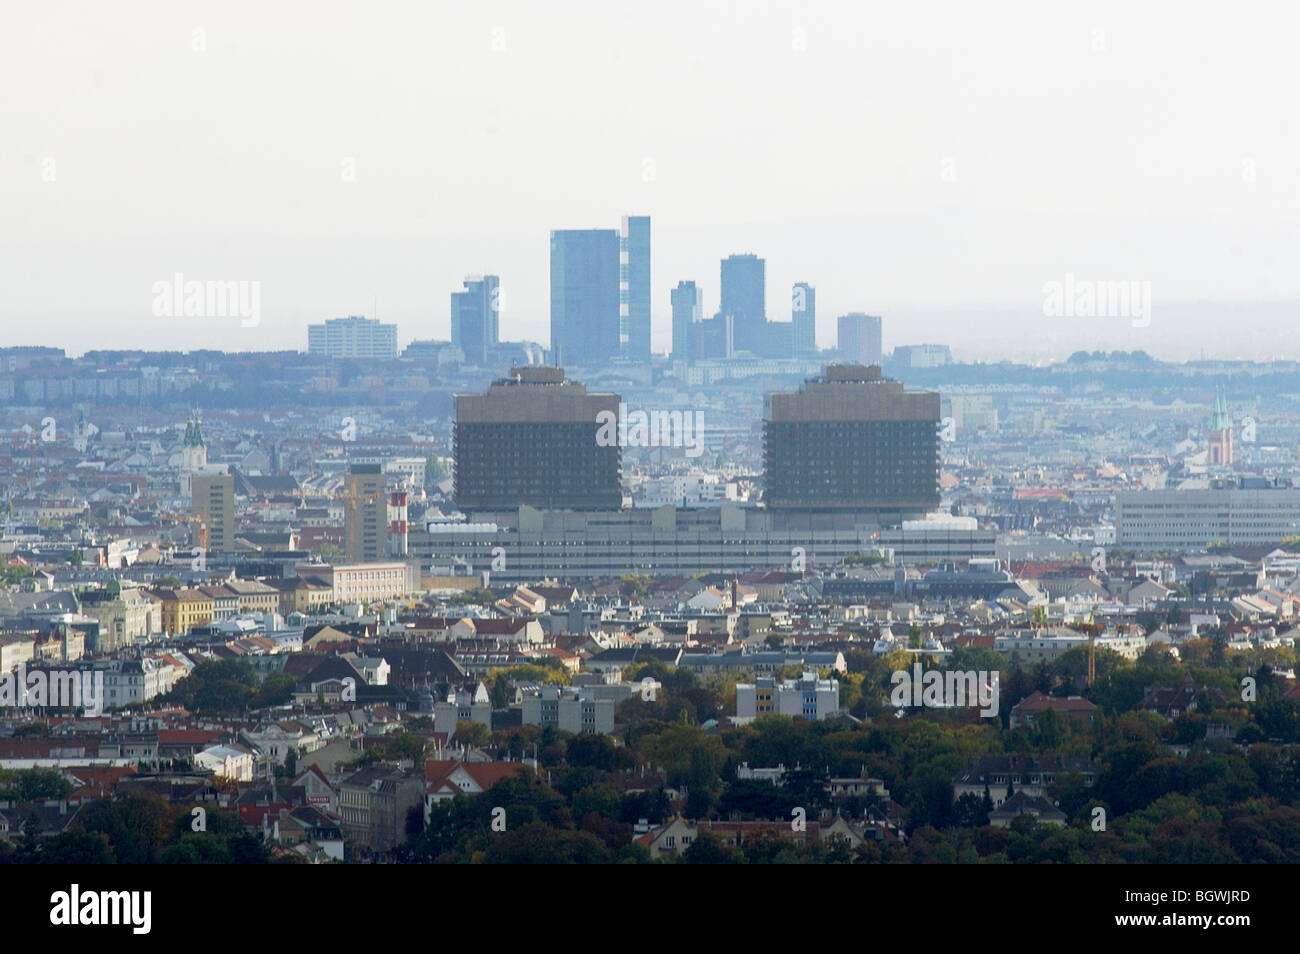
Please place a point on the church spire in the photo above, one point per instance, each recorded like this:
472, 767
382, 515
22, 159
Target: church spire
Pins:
1220, 420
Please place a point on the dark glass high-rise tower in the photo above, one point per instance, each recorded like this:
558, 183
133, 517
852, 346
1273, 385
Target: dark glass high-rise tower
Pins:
852, 440
533, 439
474, 318
688, 305
585, 292
744, 297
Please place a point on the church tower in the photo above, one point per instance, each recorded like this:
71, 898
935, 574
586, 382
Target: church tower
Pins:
194, 454
81, 431
1220, 449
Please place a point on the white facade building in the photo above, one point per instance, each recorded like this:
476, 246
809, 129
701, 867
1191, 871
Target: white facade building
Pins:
808, 696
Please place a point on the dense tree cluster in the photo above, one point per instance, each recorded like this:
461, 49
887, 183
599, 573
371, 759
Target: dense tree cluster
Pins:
138, 828
1169, 790
229, 686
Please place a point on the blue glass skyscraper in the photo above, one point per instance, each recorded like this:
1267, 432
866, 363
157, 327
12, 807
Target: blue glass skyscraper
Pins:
688, 305
475, 319
744, 298
634, 288
585, 291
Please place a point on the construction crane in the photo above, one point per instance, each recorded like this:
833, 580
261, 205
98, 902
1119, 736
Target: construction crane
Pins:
352, 497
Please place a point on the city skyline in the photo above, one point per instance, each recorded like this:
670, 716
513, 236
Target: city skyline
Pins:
731, 432
940, 186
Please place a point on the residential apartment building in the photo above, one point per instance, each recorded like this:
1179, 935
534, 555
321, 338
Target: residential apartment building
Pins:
808, 696
374, 805
129, 682
124, 616
352, 337
15, 650
183, 608
572, 710
254, 596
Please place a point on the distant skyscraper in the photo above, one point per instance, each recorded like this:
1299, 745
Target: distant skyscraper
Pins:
744, 297
352, 337
634, 288
474, 318
1220, 448
803, 315
688, 307
923, 355
859, 338
585, 292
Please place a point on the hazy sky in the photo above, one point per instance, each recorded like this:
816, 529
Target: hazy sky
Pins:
932, 163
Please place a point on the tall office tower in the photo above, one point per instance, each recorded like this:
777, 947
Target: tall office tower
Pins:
852, 440
1220, 449
859, 338
585, 318
803, 315
352, 337
688, 309
744, 297
634, 288
213, 501
533, 439
365, 512
474, 318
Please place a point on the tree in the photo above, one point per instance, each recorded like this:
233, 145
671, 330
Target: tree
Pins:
76, 848
137, 826
599, 798
475, 597
708, 849
632, 585
971, 811
30, 785
435, 469
472, 733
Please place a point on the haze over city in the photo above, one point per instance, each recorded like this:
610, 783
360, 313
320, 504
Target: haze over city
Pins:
728, 432
935, 166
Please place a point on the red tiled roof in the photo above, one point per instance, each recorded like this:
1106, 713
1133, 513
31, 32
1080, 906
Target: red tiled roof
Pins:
100, 780
253, 814
484, 774
1037, 702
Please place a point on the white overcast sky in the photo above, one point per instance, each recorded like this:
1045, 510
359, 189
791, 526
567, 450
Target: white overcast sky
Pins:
932, 163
